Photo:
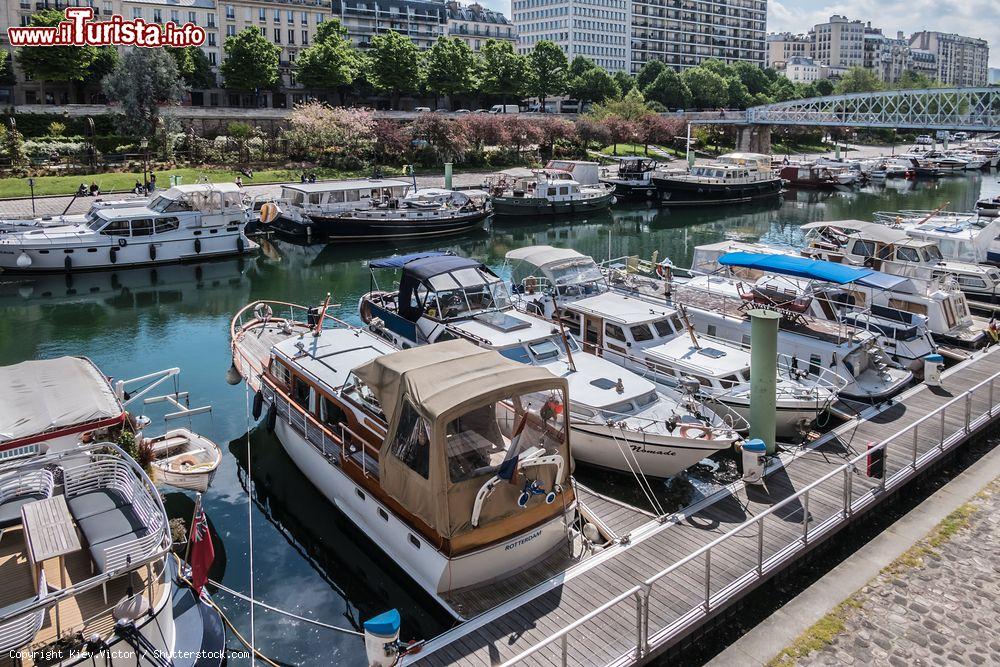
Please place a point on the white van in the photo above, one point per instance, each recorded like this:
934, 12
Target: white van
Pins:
505, 108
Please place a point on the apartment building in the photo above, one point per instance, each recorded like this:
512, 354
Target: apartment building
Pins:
801, 69
423, 21
783, 46
839, 42
684, 33
885, 56
596, 29
474, 24
961, 61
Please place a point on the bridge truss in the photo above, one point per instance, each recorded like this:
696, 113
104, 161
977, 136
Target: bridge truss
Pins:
970, 109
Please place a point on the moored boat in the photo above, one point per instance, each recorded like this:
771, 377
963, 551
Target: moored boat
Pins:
184, 459
633, 180
733, 178
548, 192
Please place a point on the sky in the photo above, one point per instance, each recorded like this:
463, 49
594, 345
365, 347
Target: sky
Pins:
974, 18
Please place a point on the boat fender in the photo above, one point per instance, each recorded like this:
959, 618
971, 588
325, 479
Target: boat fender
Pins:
23, 260
650, 193
272, 417
113, 254
239, 243
122, 243
695, 432
68, 263
258, 404
197, 246
185, 462
152, 251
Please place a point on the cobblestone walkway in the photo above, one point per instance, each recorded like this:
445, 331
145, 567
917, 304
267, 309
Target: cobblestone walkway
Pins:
938, 605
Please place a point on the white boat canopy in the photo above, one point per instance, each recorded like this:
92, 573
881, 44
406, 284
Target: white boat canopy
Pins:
53, 394
544, 255
872, 230
449, 433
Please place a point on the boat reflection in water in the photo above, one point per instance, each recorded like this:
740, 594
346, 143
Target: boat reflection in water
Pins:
358, 572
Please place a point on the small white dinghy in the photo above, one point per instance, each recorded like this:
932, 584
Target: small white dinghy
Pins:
184, 459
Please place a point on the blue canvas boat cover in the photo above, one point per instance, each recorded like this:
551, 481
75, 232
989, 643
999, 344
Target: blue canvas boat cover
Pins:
399, 261
814, 269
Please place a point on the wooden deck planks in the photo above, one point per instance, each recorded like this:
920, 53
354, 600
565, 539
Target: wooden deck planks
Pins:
614, 631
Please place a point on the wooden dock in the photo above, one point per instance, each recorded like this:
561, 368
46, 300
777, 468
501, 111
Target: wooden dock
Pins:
667, 578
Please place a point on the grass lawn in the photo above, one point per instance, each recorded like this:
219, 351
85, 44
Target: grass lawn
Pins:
638, 150
67, 185
791, 148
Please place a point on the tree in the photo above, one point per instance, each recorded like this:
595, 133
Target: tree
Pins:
594, 85
631, 106
449, 67
394, 65
782, 90
656, 129
251, 62
669, 90
580, 65
910, 80
502, 72
444, 135
330, 61
105, 63
55, 63
194, 67
858, 80
554, 129
752, 76
13, 148
145, 80
548, 71
589, 131
823, 86
708, 88
649, 72
738, 97
6, 71
625, 82
317, 127
484, 130
719, 67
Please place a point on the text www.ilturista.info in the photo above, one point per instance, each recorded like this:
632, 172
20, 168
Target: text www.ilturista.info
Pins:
79, 29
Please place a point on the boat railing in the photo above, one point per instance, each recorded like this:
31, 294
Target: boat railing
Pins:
901, 460
111, 469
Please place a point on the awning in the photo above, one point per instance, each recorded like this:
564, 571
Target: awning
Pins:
434, 265
799, 267
542, 255
870, 230
399, 261
52, 394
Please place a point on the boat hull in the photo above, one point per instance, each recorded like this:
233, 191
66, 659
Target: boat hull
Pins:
632, 190
676, 192
435, 572
356, 228
506, 206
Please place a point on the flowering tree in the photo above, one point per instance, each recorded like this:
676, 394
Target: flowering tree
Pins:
445, 136
590, 131
392, 143
522, 133
656, 129
621, 130
553, 129
484, 130
331, 130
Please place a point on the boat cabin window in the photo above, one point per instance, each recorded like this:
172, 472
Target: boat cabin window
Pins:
143, 227
300, 392
518, 354
641, 333
164, 225
333, 414
281, 374
412, 443
907, 255
613, 331
863, 248
165, 205
116, 228
932, 254
483, 438
571, 321
662, 328
729, 381
815, 364
971, 281
544, 350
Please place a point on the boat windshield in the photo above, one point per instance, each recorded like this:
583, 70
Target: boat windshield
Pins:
163, 204
932, 254
578, 277
474, 292
541, 351
526, 426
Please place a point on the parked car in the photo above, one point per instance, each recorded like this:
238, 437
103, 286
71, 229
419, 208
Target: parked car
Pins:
482, 111
442, 111
961, 136
505, 108
463, 111
423, 109
925, 140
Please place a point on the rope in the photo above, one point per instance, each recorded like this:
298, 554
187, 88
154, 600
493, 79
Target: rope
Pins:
282, 611
253, 650
644, 485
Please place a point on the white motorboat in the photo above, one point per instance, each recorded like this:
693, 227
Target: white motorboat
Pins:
184, 223
892, 250
642, 336
733, 178
619, 419
938, 305
184, 459
454, 460
961, 237
50, 221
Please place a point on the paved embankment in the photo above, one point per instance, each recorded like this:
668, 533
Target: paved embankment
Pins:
926, 591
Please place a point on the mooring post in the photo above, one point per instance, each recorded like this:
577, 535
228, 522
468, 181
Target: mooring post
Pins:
448, 170
763, 375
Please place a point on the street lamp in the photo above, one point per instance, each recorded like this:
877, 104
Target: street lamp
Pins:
144, 144
31, 184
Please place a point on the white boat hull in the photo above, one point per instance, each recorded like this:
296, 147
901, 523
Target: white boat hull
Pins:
655, 455
434, 571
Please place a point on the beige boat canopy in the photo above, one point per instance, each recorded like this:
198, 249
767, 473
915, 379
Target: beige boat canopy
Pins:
449, 430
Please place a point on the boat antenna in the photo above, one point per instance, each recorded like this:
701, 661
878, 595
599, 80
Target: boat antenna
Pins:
322, 314
687, 325
934, 212
562, 332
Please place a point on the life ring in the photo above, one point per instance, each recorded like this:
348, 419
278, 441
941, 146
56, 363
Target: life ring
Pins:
263, 311
702, 433
269, 212
185, 462
663, 270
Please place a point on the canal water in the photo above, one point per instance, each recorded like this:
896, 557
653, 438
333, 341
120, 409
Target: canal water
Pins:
307, 558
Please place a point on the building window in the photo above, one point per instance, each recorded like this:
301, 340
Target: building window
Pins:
137, 12
211, 39
193, 18
261, 15
319, 19
305, 38
290, 15
230, 12
175, 16
277, 16
277, 35
291, 36
211, 20
305, 18
157, 16
230, 31
263, 31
